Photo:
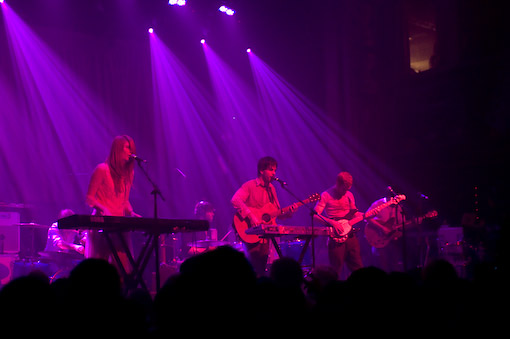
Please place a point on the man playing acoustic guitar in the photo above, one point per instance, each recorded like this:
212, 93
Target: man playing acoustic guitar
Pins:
384, 233
255, 200
389, 255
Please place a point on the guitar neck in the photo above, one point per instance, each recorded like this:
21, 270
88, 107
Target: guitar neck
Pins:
377, 209
417, 220
271, 212
392, 225
287, 208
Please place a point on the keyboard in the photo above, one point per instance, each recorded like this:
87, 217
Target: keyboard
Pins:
150, 225
278, 230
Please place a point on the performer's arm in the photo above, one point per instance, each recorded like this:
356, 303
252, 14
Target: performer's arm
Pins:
239, 203
375, 222
319, 208
95, 181
129, 210
59, 242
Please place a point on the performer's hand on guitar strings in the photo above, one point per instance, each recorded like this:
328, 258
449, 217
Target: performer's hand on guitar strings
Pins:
254, 220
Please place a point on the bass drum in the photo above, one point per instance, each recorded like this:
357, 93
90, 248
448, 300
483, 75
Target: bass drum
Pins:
24, 267
60, 262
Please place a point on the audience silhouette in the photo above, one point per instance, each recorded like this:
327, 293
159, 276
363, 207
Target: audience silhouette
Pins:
218, 291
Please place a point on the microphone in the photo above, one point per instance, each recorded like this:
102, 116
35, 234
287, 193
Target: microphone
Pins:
280, 181
137, 158
389, 188
423, 195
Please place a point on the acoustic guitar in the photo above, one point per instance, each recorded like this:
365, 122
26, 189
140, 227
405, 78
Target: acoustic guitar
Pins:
267, 214
378, 239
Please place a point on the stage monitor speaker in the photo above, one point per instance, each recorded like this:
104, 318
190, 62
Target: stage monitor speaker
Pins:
9, 232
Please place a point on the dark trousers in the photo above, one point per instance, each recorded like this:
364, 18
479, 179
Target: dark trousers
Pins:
390, 257
257, 254
347, 253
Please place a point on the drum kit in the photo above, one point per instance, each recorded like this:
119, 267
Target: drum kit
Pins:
54, 264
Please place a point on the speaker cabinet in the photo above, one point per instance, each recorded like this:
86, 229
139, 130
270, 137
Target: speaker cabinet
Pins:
9, 233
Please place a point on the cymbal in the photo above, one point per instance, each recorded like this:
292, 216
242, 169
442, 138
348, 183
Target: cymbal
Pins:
32, 225
14, 205
207, 243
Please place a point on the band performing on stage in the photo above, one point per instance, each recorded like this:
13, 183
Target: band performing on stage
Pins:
256, 227
341, 243
278, 168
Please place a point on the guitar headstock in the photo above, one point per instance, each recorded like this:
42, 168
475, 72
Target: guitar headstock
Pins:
314, 197
398, 198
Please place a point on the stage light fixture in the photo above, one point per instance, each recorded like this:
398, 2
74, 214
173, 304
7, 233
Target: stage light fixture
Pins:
248, 50
202, 41
177, 2
151, 30
226, 10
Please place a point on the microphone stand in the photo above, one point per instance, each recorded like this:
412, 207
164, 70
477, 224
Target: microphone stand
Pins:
404, 240
312, 213
155, 192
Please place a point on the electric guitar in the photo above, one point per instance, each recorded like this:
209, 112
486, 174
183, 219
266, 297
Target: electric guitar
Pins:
344, 226
267, 215
378, 239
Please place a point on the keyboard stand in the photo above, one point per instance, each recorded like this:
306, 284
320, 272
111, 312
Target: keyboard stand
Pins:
279, 251
134, 277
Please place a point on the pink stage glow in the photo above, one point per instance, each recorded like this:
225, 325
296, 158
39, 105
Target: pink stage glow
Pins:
273, 117
187, 122
324, 89
59, 113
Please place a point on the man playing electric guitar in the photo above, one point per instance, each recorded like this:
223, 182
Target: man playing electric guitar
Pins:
253, 196
338, 204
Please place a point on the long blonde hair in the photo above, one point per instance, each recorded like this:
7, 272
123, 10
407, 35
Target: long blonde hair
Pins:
121, 171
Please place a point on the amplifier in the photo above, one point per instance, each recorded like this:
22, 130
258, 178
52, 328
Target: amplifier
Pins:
9, 232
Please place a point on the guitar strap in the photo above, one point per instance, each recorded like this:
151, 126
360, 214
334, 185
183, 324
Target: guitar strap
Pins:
350, 210
350, 202
270, 195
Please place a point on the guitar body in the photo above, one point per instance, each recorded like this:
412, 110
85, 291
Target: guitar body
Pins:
267, 215
376, 238
346, 222
344, 227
